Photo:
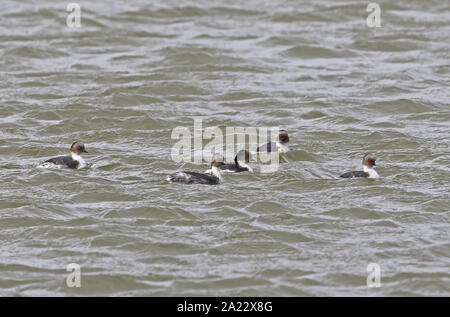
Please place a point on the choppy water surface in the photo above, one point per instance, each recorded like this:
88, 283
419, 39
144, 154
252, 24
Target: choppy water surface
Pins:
135, 70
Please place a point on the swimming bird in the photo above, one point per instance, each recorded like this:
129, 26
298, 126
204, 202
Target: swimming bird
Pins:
240, 164
368, 171
214, 178
281, 145
75, 161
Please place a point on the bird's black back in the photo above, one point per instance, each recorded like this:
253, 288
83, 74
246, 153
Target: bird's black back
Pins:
64, 160
193, 178
234, 168
268, 147
355, 174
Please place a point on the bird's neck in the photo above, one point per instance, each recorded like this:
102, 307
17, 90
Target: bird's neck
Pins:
282, 148
216, 172
78, 158
371, 171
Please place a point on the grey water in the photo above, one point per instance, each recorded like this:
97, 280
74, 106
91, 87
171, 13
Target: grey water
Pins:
136, 70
